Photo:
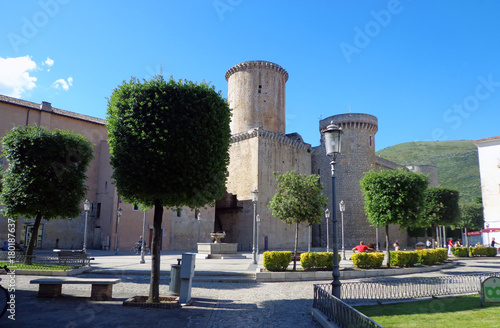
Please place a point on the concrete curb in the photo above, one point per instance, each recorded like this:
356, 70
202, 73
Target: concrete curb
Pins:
344, 274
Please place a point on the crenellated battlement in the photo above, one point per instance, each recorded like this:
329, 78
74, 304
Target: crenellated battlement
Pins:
260, 64
354, 121
258, 132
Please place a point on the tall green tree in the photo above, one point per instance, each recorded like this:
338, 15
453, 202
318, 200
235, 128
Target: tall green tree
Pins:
441, 208
393, 197
169, 148
471, 216
46, 175
299, 198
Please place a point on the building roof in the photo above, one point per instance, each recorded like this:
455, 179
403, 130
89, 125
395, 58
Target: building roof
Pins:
486, 140
45, 105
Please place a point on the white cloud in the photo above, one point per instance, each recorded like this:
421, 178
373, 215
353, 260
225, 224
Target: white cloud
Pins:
63, 84
14, 76
49, 62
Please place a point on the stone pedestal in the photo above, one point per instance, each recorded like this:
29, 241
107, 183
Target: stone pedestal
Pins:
218, 250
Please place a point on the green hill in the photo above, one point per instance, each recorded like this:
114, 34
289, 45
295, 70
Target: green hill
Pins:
457, 162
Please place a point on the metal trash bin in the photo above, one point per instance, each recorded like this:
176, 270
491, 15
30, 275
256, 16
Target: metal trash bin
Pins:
175, 278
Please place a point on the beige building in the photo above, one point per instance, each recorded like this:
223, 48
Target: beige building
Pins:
489, 171
104, 229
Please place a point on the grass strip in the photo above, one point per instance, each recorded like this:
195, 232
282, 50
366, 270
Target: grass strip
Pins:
462, 311
35, 266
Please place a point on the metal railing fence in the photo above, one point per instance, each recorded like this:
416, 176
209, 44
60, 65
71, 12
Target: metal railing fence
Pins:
338, 312
393, 289
46, 259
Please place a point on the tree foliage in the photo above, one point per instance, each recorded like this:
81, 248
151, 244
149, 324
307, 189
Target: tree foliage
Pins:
471, 216
46, 174
169, 147
299, 198
393, 197
441, 207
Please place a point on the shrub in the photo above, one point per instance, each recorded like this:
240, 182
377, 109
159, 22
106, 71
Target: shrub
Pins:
483, 251
459, 251
277, 261
428, 256
318, 261
368, 260
404, 258
442, 254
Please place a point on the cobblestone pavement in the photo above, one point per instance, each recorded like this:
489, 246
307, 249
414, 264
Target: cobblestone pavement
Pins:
215, 305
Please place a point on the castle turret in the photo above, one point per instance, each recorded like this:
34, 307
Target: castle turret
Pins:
357, 156
256, 96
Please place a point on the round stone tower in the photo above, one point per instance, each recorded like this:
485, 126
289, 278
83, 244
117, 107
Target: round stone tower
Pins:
256, 96
357, 156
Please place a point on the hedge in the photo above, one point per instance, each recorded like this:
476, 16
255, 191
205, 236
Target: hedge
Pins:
442, 254
484, 251
428, 256
317, 261
277, 261
368, 260
404, 258
474, 251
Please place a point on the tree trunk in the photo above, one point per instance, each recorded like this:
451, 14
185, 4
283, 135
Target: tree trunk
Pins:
34, 235
154, 286
296, 243
388, 250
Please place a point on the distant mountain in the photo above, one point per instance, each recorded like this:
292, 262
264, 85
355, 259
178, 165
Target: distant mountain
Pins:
457, 162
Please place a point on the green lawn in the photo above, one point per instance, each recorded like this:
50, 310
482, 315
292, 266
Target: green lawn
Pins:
44, 267
463, 311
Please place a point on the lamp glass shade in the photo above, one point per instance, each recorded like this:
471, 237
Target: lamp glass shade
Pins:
333, 138
86, 205
255, 195
342, 206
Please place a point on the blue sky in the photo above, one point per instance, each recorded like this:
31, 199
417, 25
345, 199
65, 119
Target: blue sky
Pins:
428, 70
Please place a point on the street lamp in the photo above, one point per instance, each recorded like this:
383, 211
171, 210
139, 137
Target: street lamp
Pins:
119, 214
258, 226
86, 208
142, 261
255, 198
327, 216
342, 210
333, 137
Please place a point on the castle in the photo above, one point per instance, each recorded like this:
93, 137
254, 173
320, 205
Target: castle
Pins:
259, 147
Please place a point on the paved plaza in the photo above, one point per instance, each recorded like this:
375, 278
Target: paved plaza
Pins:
218, 301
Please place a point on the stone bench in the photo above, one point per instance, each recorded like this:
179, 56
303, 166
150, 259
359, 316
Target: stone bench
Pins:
102, 289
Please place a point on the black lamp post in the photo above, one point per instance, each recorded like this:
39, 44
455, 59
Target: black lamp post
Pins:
333, 136
86, 208
255, 198
342, 210
327, 217
119, 214
142, 261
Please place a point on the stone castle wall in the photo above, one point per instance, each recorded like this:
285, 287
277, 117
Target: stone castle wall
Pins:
430, 170
254, 157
